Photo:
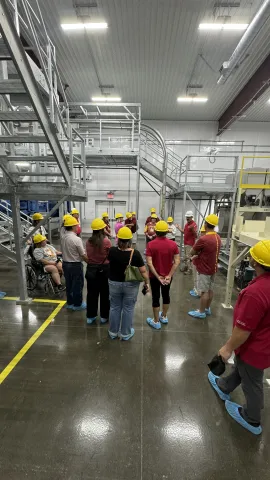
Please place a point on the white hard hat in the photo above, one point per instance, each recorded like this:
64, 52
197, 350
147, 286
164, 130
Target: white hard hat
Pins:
189, 214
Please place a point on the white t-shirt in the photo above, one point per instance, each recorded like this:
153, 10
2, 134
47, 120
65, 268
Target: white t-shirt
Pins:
172, 234
45, 253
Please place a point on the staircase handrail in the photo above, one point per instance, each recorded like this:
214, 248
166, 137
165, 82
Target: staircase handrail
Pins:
24, 217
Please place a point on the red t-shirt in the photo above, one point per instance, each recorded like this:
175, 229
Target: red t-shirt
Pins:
252, 313
148, 220
162, 250
97, 257
190, 234
208, 248
133, 223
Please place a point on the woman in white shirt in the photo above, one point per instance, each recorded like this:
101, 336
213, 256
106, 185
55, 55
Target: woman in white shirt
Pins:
172, 229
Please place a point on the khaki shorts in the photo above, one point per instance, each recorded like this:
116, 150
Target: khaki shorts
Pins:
205, 282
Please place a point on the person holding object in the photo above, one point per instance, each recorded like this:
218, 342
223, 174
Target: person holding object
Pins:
250, 340
47, 255
190, 235
195, 292
207, 248
123, 294
76, 214
148, 220
97, 273
73, 254
150, 229
162, 256
119, 224
108, 230
172, 229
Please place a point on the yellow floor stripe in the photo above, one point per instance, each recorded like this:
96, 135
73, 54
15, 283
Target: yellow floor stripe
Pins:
37, 300
30, 342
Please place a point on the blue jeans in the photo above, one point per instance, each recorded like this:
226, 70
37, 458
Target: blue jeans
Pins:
73, 272
123, 296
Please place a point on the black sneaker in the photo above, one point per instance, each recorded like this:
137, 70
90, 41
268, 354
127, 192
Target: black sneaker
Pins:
61, 288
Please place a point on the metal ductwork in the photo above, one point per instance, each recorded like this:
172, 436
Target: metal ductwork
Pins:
249, 36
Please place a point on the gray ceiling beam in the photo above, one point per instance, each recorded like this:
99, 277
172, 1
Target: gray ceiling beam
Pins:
249, 94
18, 116
7, 87
16, 50
22, 139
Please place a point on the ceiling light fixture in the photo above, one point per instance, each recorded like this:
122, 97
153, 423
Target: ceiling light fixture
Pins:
84, 26
22, 164
223, 26
192, 99
106, 99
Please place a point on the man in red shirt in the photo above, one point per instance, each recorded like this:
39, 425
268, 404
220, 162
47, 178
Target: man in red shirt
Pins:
153, 210
250, 340
162, 256
207, 248
190, 235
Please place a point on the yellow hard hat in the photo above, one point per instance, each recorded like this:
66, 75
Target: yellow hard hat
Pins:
203, 229
124, 233
39, 238
128, 215
133, 213
119, 215
70, 221
37, 216
153, 215
74, 210
98, 224
153, 210
162, 226
261, 253
66, 216
105, 215
212, 219
170, 219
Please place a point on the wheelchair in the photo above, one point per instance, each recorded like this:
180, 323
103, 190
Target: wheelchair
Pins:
36, 277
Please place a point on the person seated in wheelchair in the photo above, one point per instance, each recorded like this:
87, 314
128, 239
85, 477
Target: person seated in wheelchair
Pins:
48, 256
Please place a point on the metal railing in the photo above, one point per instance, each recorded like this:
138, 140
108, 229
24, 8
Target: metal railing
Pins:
29, 20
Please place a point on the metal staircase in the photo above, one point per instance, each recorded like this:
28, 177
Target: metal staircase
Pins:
7, 240
34, 128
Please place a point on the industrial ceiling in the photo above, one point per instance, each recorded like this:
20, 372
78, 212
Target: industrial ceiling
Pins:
152, 50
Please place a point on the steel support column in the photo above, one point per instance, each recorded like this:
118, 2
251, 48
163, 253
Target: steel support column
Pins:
138, 177
19, 246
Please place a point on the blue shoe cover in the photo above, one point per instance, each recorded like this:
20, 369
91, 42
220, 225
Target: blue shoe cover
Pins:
103, 321
81, 307
233, 410
113, 336
197, 314
69, 307
151, 323
208, 311
2, 294
89, 321
194, 294
128, 337
212, 379
162, 319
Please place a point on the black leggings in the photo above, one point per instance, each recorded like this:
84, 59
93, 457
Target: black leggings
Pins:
156, 286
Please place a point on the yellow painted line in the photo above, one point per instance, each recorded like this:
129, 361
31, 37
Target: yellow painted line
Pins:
30, 342
44, 300
10, 298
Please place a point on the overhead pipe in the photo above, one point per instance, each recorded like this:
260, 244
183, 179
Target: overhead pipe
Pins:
249, 36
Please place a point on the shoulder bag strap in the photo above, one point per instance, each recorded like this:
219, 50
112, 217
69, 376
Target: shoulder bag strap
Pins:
131, 255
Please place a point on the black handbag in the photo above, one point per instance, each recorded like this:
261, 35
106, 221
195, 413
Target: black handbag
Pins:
93, 271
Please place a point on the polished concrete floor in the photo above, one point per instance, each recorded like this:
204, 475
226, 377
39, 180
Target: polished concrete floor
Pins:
79, 406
